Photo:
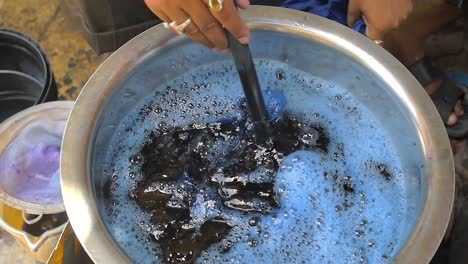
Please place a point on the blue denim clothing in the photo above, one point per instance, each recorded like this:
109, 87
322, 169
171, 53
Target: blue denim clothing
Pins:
336, 10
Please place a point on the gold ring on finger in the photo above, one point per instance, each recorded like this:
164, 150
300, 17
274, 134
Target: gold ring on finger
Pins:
216, 5
180, 28
171, 26
166, 25
379, 42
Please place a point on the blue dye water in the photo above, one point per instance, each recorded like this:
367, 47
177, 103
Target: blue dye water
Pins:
344, 206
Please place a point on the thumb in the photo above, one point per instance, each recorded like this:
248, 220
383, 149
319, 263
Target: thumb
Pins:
354, 12
243, 3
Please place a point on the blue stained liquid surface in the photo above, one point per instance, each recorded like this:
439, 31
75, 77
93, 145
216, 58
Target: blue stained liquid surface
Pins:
343, 205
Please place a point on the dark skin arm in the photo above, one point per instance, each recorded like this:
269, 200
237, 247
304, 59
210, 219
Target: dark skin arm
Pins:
381, 16
207, 25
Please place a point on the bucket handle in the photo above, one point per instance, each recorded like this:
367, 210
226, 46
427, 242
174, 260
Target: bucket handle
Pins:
25, 238
32, 221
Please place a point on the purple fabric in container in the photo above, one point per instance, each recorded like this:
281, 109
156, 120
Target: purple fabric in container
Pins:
29, 166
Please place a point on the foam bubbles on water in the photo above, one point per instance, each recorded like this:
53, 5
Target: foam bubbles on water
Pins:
343, 202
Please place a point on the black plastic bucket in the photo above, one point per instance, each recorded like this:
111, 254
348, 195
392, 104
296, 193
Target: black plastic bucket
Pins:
18, 91
26, 77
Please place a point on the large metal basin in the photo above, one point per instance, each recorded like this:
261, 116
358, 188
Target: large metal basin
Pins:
306, 42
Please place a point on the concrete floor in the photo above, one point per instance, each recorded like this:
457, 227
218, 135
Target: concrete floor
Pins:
54, 23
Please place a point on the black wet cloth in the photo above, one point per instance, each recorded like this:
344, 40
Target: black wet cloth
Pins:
224, 159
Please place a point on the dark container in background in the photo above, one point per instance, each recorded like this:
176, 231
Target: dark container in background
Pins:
26, 76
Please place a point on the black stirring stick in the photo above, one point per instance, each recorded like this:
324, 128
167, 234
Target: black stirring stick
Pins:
251, 86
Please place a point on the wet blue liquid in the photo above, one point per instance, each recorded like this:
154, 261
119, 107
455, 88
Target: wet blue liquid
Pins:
319, 221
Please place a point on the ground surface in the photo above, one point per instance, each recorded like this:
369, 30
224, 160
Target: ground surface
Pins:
55, 24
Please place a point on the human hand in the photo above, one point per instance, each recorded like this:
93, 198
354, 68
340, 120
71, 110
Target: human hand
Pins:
206, 26
381, 16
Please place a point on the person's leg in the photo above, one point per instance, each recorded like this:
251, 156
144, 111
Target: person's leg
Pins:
407, 44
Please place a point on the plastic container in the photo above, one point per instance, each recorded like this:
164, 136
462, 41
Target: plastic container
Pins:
18, 91
26, 77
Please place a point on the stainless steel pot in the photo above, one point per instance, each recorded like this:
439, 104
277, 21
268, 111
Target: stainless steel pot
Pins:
305, 42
